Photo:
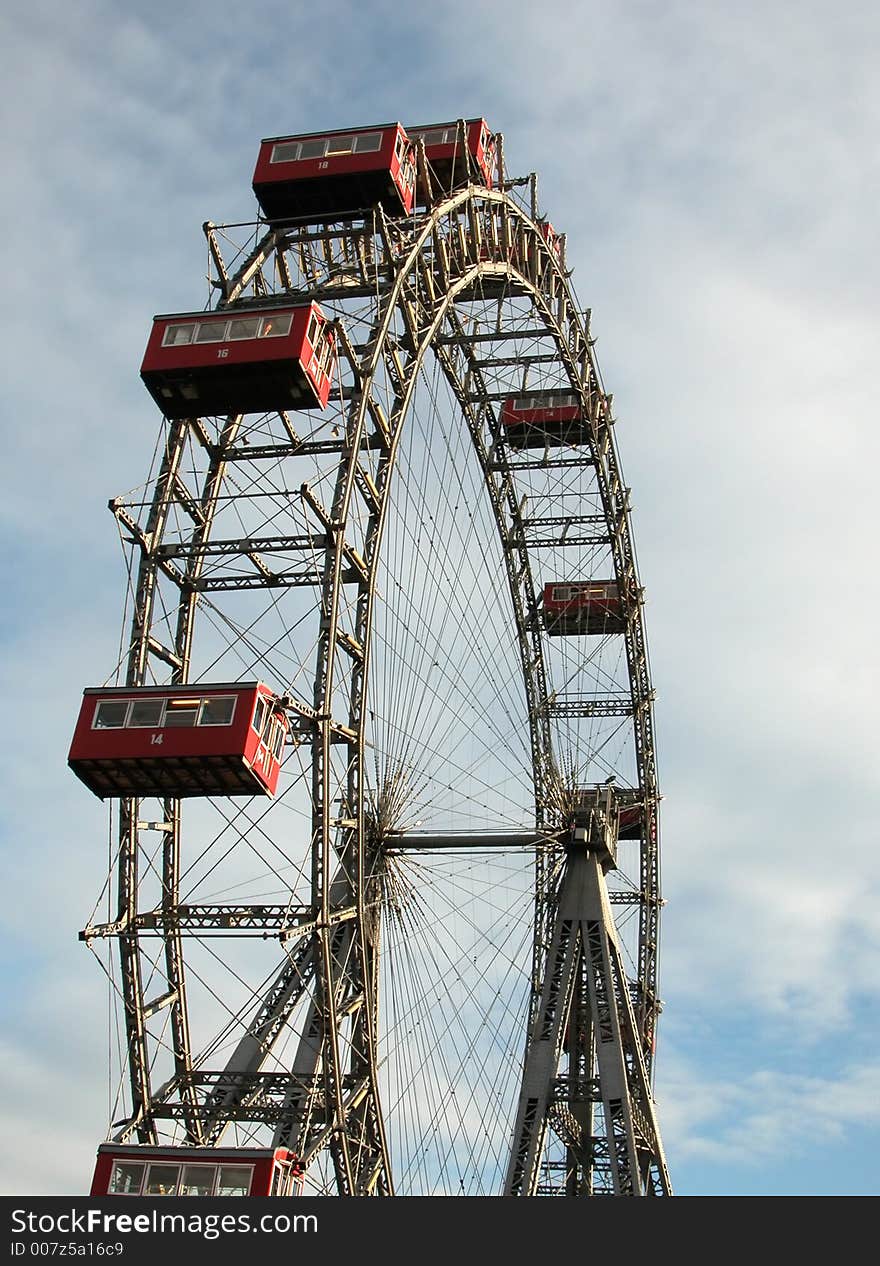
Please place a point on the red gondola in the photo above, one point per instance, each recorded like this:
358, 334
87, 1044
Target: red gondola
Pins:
583, 606
548, 418
329, 175
137, 1170
491, 286
551, 237
180, 741
451, 168
240, 361
629, 822
630, 814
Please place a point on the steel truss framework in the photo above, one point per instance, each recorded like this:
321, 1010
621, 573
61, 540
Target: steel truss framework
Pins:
473, 284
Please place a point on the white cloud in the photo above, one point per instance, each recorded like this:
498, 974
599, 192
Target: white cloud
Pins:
767, 1115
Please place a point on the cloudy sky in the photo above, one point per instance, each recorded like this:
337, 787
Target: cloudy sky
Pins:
715, 167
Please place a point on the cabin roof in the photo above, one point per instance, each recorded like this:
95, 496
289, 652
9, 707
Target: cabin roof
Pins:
192, 687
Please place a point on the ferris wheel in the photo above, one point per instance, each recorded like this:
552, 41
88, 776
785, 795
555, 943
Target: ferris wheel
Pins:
381, 914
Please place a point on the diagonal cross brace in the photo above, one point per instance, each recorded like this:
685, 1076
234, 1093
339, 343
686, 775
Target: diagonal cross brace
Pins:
584, 942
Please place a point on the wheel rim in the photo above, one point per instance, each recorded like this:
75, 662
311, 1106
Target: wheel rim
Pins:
238, 532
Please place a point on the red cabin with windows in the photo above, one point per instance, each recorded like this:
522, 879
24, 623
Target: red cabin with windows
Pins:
180, 741
629, 822
630, 812
451, 167
240, 361
548, 418
137, 1170
551, 237
330, 175
492, 250
583, 606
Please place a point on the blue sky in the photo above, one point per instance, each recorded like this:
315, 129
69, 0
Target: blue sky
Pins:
716, 170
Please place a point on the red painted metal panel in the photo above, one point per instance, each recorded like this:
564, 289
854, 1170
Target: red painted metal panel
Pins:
519, 412
101, 1177
443, 156
545, 418
235, 351
328, 163
575, 595
629, 825
130, 757
198, 363
551, 237
325, 183
576, 607
204, 1162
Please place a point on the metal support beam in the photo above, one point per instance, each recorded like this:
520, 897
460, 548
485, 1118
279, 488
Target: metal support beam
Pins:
585, 988
422, 841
